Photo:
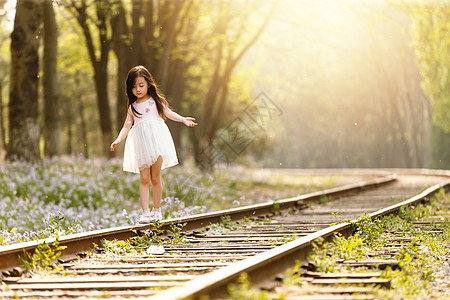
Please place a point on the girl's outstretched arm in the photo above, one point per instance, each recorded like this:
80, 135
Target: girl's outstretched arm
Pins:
188, 121
124, 132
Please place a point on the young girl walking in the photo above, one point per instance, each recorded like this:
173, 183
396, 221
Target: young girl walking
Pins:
149, 147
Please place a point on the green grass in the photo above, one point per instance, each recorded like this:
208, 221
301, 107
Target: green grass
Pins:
421, 261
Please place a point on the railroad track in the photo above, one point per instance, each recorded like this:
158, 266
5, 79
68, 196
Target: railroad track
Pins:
205, 258
361, 278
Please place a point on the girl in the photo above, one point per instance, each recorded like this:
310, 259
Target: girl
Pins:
149, 147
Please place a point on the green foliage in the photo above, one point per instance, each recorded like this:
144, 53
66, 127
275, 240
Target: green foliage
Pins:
440, 149
292, 276
324, 199
174, 234
227, 223
388, 62
430, 30
157, 232
396, 224
224, 226
276, 207
368, 230
337, 218
119, 246
418, 261
421, 260
322, 257
413, 213
352, 247
243, 290
43, 257
139, 244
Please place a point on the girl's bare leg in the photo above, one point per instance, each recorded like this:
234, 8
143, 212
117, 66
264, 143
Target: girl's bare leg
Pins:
155, 177
144, 184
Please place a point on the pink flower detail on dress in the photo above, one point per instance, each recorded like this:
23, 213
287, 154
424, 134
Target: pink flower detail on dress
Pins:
147, 109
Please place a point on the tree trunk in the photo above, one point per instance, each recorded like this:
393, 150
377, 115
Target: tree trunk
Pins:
169, 20
176, 94
122, 100
23, 98
51, 104
216, 98
83, 129
68, 118
2, 126
100, 64
136, 43
147, 38
126, 58
103, 108
139, 47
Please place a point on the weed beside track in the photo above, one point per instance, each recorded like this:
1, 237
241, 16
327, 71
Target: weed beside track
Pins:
412, 250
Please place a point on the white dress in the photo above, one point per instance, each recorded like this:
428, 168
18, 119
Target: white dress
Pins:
148, 139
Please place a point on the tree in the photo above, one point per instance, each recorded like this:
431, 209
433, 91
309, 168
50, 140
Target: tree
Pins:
78, 97
23, 98
228, 45
4, 72
127, 56
154, 43
431, 41
440, 145
349, 88
52, 145
430, 29
104, 11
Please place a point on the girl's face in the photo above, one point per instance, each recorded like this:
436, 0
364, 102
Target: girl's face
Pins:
140, 88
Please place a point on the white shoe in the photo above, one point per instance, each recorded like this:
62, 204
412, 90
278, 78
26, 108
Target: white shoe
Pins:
155, 215
145, 218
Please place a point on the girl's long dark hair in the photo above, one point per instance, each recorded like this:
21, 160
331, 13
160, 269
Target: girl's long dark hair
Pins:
141, 71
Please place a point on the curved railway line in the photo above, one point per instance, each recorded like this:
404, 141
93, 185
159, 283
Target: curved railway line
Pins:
268, 239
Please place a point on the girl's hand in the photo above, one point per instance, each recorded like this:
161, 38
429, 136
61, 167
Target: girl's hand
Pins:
114, 145
189, 121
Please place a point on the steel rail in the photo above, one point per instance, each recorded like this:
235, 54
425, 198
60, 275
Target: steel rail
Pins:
358, 171
76, 243
264, 266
